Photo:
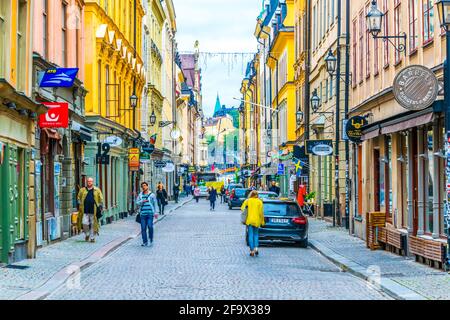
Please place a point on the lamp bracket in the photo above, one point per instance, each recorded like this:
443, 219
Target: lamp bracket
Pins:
401, 46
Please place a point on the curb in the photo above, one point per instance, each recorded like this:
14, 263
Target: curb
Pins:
71, 270
392, 288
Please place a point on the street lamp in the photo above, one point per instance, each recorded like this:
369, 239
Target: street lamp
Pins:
331, 63
374, 20
153, 118
444, 13
299, 116
315, 101
133, 101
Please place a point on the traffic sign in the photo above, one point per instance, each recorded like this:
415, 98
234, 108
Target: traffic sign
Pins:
281, 169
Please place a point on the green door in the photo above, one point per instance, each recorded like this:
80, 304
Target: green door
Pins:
13, 172
3, 197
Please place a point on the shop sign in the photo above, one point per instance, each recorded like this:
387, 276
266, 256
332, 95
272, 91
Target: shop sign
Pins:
416, 87
145, 157
192, 169
56, 117
280, 169
148, 147
354, 128
59, 77
170, 167
160, 163
133, 159
102, 156
319, 148
113, 141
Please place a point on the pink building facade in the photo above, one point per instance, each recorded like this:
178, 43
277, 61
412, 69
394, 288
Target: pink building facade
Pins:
58, 42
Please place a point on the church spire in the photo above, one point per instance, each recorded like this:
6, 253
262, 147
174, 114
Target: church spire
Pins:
218, 106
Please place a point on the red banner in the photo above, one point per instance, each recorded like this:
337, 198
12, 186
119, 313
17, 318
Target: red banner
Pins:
56, 117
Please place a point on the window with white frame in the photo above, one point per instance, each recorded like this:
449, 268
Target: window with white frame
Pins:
283, 122
3, 33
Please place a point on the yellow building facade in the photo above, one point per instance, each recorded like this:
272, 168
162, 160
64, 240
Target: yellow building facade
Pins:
114, 71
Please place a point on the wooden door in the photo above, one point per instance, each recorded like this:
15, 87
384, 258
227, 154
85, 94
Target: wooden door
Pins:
376, 177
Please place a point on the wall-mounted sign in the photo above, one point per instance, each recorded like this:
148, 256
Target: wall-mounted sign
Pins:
148, 147
160, 163
280, 169
170, 167
133, 159
102, 156
355, 127
192, 169
113, 141
145, 157
56, 117
416, 87
319, 147
60, 77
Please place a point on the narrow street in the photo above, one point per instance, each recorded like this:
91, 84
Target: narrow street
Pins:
200, 254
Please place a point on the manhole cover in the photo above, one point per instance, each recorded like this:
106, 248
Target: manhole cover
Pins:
13, 266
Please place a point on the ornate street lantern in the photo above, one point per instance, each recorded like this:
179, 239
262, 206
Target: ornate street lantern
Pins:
374, 19
315, 101
133, 101
331, 62
153, 118
299, 116
444, 13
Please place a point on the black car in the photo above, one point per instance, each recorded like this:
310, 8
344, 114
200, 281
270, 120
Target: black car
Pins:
237, 198
284, 222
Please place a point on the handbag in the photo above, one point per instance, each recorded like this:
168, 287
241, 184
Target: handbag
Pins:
99, 213
138, 218
244, 216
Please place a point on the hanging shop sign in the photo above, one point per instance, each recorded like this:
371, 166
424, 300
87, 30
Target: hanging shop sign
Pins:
59, 78
170, 167
144, 157
133, 159
102, 156
113, 141
148, 147
280, 169
319, 148
160, 163
192, 169
355, 127
416, 88
56, 117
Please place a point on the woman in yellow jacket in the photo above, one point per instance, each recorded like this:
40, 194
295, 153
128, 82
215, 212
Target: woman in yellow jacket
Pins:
255, 219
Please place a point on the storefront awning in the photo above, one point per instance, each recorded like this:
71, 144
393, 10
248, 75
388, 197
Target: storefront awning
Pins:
403, 124
84, 132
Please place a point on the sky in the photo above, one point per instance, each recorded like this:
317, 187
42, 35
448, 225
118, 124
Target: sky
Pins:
219, 26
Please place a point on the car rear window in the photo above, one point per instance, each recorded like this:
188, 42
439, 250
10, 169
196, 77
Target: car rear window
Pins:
240, 192
281, 209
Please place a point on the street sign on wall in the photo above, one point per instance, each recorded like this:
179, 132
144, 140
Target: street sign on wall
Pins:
56, 117
319, 148
281, 169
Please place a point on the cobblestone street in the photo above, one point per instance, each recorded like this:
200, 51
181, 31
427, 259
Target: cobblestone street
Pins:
200, 254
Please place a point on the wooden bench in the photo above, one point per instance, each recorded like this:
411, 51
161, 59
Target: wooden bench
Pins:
375, 221
424, 249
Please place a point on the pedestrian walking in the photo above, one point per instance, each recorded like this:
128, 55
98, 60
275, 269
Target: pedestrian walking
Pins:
193, 185
146, 202
196, 192
255, 220
176, 192
252, 187
161, 196
275, 188
212, 199
222, 194
90, 203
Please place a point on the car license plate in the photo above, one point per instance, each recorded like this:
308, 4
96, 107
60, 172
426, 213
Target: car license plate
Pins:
279, 220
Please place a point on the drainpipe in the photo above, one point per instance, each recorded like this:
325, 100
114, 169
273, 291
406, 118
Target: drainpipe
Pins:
337, 214
346, 106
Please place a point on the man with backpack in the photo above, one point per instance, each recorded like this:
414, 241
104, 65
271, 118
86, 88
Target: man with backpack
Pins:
146, 201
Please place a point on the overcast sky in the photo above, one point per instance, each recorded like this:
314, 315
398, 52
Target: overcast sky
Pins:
219, 26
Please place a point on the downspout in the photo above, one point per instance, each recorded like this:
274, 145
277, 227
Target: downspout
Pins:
307, 37
346, 107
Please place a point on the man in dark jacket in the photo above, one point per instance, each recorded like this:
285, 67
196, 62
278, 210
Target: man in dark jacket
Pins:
275, 188
176, 192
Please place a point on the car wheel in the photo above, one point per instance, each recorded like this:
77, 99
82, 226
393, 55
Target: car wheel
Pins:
303, 243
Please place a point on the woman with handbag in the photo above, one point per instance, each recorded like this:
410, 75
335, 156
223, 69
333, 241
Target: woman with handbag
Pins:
254, 219
161, 196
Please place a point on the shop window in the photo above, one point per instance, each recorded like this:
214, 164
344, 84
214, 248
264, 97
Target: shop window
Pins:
404, 177
378, 181
359, 185
428, 23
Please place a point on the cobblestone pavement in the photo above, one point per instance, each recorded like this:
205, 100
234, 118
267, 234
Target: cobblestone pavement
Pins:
53, 258
428, 282
200, 254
